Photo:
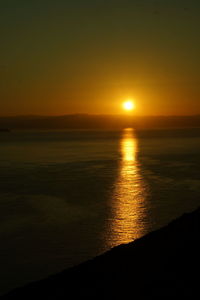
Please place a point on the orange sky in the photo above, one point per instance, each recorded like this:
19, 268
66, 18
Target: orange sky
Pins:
66, 57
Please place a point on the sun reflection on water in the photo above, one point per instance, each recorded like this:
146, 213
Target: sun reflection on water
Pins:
128, 200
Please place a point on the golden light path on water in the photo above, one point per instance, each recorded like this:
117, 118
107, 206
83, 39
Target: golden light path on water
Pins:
128, 200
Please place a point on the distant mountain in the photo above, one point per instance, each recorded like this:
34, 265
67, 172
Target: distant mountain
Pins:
84, 121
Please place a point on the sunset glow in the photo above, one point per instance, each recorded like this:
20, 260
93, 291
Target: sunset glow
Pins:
129, 105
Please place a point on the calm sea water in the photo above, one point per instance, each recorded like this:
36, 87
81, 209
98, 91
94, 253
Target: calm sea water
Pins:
68, 196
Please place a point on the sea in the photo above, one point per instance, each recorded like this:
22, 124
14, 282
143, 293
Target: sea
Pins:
68, 196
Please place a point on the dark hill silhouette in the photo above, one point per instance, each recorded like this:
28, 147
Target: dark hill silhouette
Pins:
162, 265
84, 121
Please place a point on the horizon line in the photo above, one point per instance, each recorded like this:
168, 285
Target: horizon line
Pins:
97, 115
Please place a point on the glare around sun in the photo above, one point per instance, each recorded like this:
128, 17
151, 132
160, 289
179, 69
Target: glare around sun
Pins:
128, 105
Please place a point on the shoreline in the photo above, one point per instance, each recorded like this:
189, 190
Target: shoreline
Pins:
162, 264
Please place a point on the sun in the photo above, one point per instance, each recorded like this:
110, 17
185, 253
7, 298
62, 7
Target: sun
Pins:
128, 105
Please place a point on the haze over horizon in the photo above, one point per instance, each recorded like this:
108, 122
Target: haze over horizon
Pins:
63, 57
107, 122
123, 115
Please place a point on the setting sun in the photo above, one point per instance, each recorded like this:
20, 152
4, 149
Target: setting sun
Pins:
128, 105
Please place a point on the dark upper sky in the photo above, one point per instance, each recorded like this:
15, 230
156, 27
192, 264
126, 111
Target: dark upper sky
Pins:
59, 57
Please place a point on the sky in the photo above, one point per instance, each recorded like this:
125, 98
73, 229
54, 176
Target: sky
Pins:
61, 57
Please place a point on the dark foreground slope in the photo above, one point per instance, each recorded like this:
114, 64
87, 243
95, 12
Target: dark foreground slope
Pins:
162, 265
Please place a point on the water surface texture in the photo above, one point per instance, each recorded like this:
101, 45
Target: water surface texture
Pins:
68, 196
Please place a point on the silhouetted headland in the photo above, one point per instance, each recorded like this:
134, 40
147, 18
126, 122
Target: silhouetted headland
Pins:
161, 265
4, 130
